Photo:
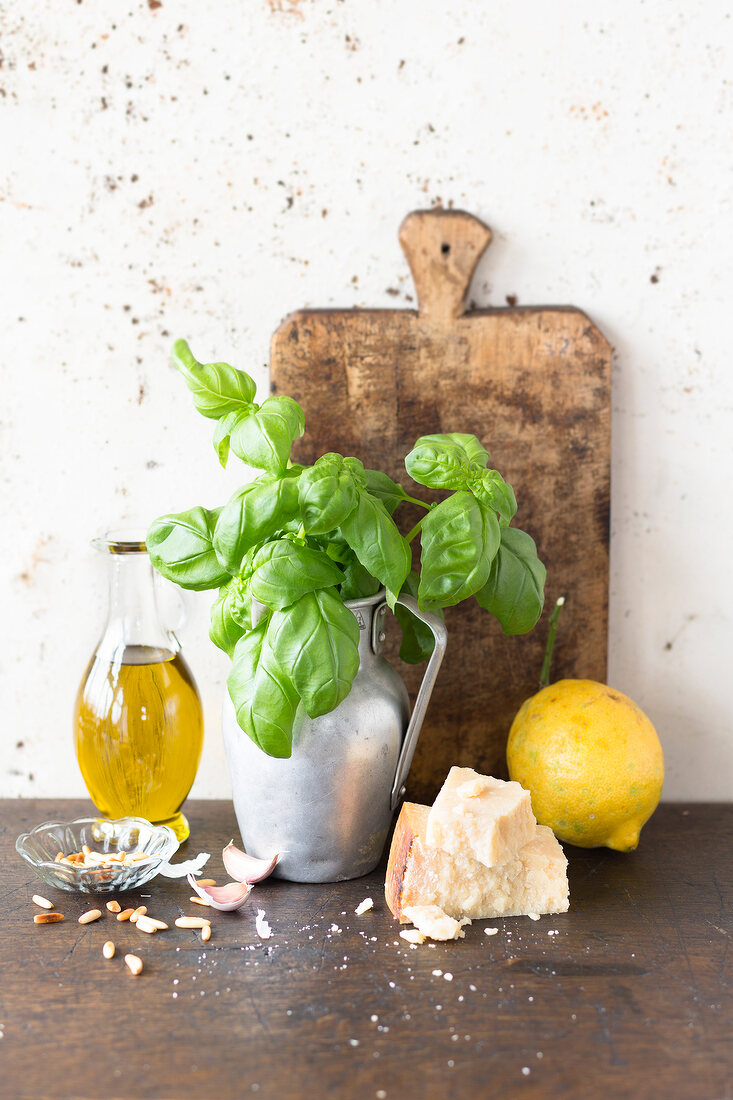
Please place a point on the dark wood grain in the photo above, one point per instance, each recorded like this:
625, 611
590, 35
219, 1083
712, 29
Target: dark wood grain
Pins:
534, 386
631, 998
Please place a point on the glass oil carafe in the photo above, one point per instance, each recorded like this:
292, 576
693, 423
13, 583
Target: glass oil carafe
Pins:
138, 724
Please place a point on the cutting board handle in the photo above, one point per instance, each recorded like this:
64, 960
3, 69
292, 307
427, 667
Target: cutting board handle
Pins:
442, 248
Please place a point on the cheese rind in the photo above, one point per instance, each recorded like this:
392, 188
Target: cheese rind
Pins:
480, 815
534, 881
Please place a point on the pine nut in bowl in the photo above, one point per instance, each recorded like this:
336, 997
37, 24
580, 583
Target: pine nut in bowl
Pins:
94, 855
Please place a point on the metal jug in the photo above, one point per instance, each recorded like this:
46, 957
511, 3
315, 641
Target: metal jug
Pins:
328, 808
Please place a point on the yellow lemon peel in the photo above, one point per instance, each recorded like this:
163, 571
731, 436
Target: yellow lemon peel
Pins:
592, 761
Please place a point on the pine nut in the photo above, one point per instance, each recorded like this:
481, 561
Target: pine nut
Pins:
139, 912
134, 964
43, 902
159, 924
125, 914
89, 916
114, 906
200, 901
86, 849
206, 933
59, 857
144, 925
192, 922
206, 881
48, 918
108, 950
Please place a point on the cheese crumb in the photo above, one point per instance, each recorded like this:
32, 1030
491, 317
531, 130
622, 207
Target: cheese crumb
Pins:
433, 922
490, 931
448, 977
413, 936
364, 906
533, 916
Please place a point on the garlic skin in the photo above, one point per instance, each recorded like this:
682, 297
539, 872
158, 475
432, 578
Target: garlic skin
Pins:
246, 868
224, 898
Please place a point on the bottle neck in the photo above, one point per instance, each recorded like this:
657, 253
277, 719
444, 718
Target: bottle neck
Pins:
133, 622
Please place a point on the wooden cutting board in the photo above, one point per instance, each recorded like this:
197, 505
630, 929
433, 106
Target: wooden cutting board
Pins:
534, 385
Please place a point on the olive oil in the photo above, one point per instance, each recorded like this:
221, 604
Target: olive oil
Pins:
138, 730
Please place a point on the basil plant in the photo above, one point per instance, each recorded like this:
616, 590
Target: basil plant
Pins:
299, 541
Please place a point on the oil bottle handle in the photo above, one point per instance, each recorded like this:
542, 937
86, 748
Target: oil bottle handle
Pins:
409, 743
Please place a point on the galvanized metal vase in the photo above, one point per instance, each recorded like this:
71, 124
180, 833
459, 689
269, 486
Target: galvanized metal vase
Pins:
328, 808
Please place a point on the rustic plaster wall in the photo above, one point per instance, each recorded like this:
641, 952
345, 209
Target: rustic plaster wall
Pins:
202, 168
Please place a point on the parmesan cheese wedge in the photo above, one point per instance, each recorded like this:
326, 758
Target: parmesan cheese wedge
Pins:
480, 816
532, 881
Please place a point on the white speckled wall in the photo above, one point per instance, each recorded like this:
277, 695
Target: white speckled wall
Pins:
203, 168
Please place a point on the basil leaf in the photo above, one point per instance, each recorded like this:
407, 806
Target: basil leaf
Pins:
444, 461
356, 468
490, 488
222, 433
317, 640
262, 692
256, 512
338, 549
217, 388
357, 581
475, 451
283, 571
231, 615
514, 591
180, 548
373, 536
460, 537
385, 489
327, 493
262, 437
418, 640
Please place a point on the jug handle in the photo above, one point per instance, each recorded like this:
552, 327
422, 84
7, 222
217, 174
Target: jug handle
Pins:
409, 743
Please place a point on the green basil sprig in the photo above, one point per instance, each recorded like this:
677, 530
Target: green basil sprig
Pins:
301, 540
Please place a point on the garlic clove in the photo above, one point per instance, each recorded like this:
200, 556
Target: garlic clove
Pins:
246, 868
224, 898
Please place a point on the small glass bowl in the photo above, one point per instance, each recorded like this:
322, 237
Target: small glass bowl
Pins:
133, 835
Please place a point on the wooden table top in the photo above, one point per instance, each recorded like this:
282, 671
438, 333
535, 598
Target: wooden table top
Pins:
630, 997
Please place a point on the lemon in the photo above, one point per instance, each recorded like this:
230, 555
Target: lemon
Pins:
591, 760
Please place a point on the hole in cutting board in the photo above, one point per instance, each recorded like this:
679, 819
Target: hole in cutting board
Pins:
445, 249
